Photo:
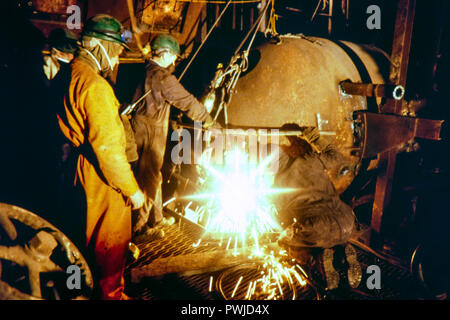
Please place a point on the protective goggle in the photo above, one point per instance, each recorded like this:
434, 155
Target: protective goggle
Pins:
125, 36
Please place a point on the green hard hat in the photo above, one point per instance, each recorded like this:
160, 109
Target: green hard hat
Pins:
165, 41
105, 27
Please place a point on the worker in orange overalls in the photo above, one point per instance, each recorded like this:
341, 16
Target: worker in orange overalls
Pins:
91, 121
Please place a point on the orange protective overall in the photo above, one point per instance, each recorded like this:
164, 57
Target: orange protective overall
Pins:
91, 121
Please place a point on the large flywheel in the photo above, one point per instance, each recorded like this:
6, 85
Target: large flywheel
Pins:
37, 261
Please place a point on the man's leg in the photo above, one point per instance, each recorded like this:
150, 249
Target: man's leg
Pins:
108, 231
151, 143
156, 214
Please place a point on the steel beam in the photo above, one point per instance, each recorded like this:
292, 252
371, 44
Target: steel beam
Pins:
398, 73
382, 133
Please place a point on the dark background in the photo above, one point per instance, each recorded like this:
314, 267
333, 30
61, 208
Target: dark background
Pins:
419, 210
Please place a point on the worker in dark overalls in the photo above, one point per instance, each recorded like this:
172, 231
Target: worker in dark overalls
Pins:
313, 216
150, 123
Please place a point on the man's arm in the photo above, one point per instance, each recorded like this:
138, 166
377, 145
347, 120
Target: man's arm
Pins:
330, 155
107, 138
179, 97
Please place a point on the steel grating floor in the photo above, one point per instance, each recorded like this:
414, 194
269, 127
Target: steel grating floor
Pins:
396, 282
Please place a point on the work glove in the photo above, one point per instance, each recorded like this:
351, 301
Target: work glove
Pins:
137, 199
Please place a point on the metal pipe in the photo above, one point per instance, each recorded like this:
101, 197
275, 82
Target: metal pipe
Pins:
372, 90
255, 131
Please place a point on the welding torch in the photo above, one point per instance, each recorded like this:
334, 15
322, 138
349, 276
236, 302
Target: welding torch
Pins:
259, 132
128, 110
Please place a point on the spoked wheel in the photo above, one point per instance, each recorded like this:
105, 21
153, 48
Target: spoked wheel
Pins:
37, 261
417, 264
416, 267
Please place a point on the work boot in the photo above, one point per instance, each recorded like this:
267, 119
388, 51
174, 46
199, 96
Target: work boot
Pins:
165, 222
134, 251
331, 275
125, 297
354, 268
148, 234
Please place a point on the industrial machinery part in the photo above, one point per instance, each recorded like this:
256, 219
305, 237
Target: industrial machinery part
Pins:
32, 243
297, 81
321, 83
384, 132
372, 90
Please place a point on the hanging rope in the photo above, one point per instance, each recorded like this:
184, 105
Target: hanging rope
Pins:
206, 38
233, 69
201, 45
255, 25
315, 11
256, 29
226, 80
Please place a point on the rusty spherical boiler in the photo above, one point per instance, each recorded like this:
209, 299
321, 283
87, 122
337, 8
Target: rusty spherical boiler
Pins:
296, 80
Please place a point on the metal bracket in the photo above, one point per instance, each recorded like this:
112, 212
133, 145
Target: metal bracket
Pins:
385, 132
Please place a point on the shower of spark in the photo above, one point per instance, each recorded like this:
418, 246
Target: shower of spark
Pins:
238, 197
275, 273
238, 207
278, 279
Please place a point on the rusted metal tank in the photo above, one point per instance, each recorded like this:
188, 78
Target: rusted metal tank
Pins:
297, 81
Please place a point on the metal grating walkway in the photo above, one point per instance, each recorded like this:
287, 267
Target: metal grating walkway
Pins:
396, 282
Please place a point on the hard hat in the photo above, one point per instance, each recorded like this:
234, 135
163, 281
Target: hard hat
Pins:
63, 40
105, 27
165, 41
